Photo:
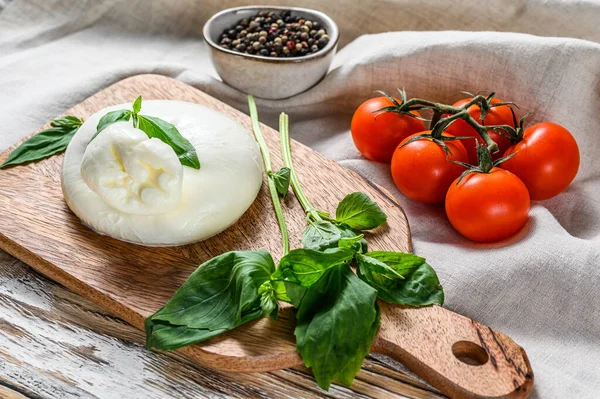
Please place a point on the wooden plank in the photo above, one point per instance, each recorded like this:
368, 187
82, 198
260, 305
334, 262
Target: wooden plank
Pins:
134, 281
57, 344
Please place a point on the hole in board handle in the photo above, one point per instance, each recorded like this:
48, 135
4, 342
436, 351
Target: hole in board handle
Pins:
470, 353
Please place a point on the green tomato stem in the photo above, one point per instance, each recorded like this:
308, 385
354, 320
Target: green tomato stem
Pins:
264, 150
286, 154
457, 113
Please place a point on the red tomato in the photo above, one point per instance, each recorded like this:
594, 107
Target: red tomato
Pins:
496, 116
488, 207
547, 159
377, 137
422, 171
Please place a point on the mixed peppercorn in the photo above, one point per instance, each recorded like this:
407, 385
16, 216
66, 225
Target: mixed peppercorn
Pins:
273, 34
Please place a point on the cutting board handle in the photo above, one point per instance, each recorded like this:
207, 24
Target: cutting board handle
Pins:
459, 356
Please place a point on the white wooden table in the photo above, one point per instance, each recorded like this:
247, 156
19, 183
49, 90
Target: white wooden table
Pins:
56, 344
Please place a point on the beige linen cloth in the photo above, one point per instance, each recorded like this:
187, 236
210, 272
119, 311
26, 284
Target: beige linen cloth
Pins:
542, 287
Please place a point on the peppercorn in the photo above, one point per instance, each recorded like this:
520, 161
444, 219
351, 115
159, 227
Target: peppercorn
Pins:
275, 34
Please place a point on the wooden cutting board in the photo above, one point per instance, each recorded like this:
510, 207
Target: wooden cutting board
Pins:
460, 357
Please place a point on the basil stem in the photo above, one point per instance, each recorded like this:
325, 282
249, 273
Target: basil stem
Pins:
286, 153
269, 169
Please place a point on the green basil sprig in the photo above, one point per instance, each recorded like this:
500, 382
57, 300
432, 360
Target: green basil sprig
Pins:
46, 143
337, 314
154, 128
220, 295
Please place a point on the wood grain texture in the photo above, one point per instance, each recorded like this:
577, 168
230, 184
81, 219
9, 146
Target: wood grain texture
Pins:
134, 281
57, 344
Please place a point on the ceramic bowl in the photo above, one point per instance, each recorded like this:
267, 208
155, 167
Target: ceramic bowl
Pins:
266, 77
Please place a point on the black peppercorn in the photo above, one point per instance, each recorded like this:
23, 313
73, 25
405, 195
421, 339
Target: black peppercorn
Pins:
275, 34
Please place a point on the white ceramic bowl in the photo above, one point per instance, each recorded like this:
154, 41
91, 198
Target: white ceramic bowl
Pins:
266, 77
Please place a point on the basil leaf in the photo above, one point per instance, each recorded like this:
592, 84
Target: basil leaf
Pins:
68, 121
359, 212
354, 243
337, 320
324, 235
281, 178
43, 145
163, 335
419, 285
321, 235
137, 105
219, 292
168, 133
268, 300
377, 266
122, 115
306, 266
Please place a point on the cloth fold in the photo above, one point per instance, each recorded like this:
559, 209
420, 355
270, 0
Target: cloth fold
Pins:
540, 287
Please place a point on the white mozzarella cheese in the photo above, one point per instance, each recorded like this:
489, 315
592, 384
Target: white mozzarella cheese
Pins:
133, 188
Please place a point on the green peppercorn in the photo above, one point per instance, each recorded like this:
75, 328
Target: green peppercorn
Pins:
304, 28
320, 32
314, 48
256, 45
308, 24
